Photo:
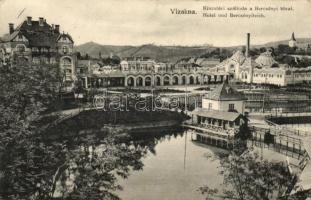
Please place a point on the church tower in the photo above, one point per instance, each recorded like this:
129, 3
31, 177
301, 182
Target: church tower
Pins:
292, 42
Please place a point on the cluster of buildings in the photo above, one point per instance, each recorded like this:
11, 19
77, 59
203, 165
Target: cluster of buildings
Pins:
37, 42
262, 70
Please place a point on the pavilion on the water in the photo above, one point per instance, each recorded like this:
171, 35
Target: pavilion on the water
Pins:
221, 117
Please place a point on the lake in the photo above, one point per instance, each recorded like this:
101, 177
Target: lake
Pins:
177, 168
154, 164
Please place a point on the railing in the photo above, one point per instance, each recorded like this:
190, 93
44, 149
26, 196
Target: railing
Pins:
216, 129
278, 129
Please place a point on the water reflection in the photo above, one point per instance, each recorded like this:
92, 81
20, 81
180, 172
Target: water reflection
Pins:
179, 167
80, 167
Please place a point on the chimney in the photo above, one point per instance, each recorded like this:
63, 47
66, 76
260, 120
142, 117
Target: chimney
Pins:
41, 20
11, 28
57, 28
247, 44
29, 21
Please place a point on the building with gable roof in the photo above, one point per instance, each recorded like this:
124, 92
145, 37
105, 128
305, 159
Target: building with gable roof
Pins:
221, 117
224, 98
39, 43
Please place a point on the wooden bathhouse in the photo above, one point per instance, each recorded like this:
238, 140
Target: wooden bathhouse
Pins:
221, 117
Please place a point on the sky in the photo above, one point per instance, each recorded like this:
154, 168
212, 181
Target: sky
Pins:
136, 22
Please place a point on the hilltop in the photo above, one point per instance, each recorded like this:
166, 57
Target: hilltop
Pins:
163, 53
160, 53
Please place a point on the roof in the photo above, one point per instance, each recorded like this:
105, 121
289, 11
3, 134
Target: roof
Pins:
65, 35
265, 59
293, 37
112, 74
38, 36
225, 92
249, 62
216, 114
238, 56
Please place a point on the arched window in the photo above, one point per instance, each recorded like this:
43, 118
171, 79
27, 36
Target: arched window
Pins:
66, 61
147, 81
139, 81
191, 80
130, 81
166, 80
175, 80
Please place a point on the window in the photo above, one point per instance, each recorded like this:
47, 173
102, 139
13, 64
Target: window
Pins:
44, 50
231, 107
44, 60
35, 49
210, 106
65, 49
52, 60
35, 60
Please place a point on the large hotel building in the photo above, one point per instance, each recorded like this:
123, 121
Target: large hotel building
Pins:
37, 42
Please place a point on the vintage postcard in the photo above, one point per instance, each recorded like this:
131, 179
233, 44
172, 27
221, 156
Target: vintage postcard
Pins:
155, 99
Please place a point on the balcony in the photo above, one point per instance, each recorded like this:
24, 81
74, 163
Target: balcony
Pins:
215, 130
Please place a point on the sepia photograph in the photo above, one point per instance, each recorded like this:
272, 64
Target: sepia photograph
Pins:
155, 100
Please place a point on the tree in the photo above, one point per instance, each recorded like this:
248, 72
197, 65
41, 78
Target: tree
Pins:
26, 92
285, 49
79, 56
246, 176
32, 165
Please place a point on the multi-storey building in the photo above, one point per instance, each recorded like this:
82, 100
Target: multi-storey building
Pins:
39, 43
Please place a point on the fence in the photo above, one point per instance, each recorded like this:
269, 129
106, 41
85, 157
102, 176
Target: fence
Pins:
279, 140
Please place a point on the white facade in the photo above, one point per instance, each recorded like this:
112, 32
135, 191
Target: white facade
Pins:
238, 105
263, 70
292, 43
